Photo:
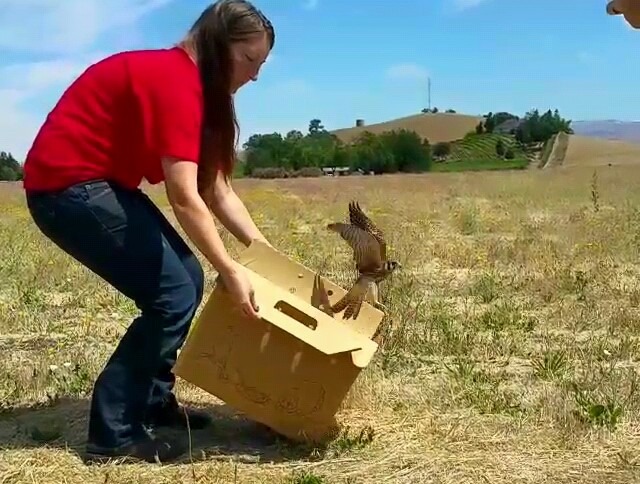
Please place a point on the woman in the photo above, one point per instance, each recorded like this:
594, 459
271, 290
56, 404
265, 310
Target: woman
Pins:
630, 9
164, 115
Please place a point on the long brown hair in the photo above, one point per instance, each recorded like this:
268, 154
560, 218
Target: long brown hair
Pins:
219, 25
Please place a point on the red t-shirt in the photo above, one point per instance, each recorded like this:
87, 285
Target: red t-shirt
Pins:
117, 120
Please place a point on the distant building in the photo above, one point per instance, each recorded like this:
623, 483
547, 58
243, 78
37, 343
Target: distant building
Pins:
508, 127
336, 170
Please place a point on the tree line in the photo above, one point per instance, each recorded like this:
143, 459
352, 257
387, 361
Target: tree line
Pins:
533, 128
10, 169
299, 154
400, 150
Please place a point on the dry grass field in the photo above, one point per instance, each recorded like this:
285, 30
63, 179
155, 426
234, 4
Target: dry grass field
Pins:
435, 127
587, 151
513, 357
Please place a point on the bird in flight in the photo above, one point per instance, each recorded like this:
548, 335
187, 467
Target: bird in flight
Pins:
370, 255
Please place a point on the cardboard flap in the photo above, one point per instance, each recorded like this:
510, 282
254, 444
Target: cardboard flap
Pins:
297, 279
309, 324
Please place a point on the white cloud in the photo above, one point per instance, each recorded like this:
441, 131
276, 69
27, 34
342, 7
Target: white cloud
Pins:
66, 31
460, 5
408, 71
20, 83
16, 126
65, 26
311, 4
31, 77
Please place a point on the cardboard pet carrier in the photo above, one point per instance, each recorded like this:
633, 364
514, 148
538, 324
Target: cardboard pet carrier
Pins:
292, 369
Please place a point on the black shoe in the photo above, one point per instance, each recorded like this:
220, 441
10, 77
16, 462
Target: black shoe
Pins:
173, 415
148, 448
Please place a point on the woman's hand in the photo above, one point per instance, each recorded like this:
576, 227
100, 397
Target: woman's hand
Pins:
237, 283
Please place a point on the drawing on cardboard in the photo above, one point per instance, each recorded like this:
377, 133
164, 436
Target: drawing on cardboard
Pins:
303, 399
217, 355
212, 358
250, 392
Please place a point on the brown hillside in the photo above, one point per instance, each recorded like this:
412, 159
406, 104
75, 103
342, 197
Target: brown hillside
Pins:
435, 127
586, 151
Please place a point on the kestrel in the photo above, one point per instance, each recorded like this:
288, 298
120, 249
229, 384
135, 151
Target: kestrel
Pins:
370, 255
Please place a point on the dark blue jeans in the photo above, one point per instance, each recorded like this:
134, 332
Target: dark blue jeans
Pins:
123, 237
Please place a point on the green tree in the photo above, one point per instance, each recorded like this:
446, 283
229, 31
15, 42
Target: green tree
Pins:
316, 127
10, 169
442, 149
264, 151
538, 128
371, 154
410, 152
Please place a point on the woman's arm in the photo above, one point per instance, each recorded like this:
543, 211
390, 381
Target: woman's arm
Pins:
192, 212
231, 211
196, 219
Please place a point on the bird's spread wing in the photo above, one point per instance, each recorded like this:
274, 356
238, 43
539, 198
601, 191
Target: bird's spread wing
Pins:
358, 218
366, 250
351, 302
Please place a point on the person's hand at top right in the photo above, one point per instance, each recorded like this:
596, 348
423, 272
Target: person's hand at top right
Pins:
629, 9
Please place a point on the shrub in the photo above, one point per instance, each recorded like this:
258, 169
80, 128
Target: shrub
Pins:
442, 149
270, 172
308, 172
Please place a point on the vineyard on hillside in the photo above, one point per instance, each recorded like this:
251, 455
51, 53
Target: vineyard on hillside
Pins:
482, 146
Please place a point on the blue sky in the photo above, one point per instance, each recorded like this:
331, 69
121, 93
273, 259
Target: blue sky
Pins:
339, 60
